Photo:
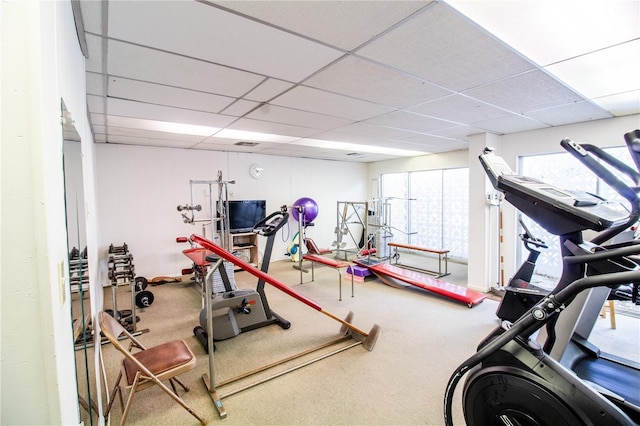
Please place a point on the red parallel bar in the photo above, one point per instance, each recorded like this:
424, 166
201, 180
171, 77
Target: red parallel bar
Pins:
254, 271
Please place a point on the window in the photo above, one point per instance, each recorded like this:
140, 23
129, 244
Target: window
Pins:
566, 172
429, 209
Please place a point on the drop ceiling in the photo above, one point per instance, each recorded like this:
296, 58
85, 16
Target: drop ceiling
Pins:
339, 80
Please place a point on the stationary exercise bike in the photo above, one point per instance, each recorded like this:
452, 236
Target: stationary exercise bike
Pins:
513, 380
236, 311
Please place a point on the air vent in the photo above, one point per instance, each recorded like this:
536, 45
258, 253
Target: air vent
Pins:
245, 143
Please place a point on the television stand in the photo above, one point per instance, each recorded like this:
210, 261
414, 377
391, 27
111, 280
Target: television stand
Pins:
247, 244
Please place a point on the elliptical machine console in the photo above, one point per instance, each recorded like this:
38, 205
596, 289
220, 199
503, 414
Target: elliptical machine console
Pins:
236, 311
513, 380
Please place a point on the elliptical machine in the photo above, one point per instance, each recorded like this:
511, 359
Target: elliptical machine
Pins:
236, 311
514, 381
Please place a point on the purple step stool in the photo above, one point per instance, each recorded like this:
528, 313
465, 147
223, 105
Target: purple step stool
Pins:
358, 271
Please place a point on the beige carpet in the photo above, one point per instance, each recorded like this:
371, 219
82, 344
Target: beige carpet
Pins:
401, 382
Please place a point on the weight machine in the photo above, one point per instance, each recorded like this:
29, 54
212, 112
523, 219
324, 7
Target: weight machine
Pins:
351, 213
218, 221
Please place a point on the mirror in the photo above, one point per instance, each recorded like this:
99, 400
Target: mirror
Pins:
78, 266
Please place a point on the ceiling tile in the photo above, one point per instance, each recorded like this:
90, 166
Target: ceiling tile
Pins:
95, 104
92, 15
97, 119
410, 121
418, 139
372, 131
345, 24
621, 104
594, 25
267, 90
296, 117
159, 94
443, 47
508, 124
162, 113
458, 108
96, 84
567, 114
460, 133
94, 47
226, 144
589, 77
525, 92
139, 63
201, 31
133, 140
240, 107
260, 126
151, 134
341, 136
366, 80
313, 100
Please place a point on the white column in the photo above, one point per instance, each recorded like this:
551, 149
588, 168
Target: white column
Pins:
483, 266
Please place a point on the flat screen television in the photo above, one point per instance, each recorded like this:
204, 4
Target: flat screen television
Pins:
244, 214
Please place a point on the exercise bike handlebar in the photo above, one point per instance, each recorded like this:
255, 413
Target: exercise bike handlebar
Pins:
272, 223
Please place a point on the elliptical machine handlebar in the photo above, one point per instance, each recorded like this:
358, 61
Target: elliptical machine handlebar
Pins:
585, 153
633, 143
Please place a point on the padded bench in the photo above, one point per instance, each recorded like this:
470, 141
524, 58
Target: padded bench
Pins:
332, 263
442, 255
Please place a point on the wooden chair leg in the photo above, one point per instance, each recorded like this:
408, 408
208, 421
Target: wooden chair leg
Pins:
186, 389
603, 313
132, 391
116, 390
612, 312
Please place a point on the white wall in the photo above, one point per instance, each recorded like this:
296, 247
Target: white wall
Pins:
41, 63
139, 188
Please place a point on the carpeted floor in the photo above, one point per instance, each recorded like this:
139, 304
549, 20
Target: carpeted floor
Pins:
401, 381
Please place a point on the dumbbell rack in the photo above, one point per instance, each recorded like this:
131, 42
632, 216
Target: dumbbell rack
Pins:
79, 281
122, 272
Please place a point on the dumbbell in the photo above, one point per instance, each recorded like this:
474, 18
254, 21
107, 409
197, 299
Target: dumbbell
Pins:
144, 298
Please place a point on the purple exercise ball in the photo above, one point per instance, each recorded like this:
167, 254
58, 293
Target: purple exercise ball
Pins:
309, 210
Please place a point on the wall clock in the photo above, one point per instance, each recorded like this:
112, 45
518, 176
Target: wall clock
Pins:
256, 171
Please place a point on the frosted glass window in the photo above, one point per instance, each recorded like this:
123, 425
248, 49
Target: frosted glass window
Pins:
566, 172
426, 210
393, 208
429, 209
455, 205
